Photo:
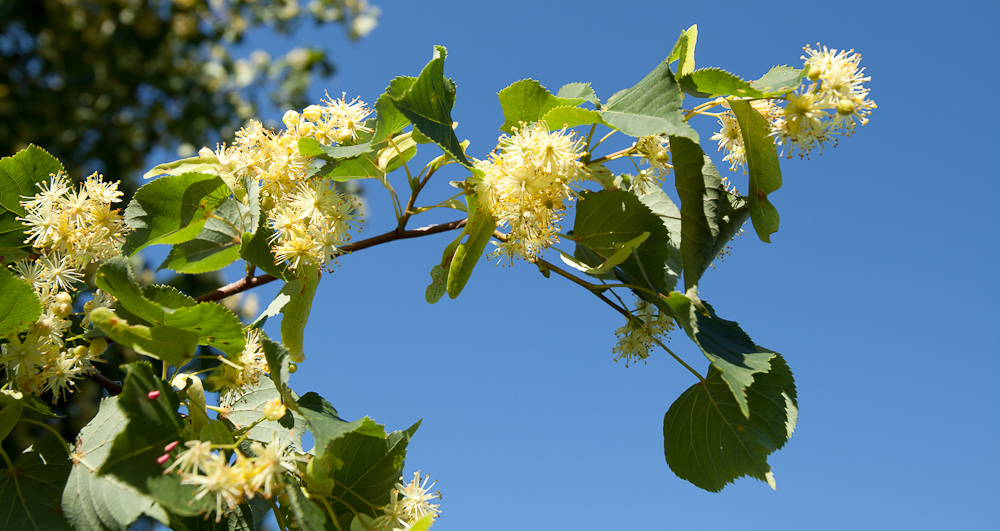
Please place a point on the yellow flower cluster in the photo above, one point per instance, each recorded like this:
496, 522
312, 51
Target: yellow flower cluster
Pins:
234, 377
829, 104
526, 185
408, 504
232, 484
309, 216
69, 228
655, 151
730, 138
636, 338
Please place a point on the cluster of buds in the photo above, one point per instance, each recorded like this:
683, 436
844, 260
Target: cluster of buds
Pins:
831, 101
309, 216
68, 228
525, 186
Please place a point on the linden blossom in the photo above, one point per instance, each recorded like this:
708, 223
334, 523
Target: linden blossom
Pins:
832, 101
309, 216
526, 187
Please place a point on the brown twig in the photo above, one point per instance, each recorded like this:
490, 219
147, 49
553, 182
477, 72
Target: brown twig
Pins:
245, 284
112, 387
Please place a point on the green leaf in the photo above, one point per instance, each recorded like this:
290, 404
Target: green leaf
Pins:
35, 405
651, 107
389, 122
439, 273
250, 408
246, 517
709, 82
215, 432
153, 422
373, 465
559, 117
708, 441
427, 103
217, 245
527, 101
479, 229
683, 51
115, 277
296, 313
660, 204
278, 359
326, 426
724, 343
311, 147
779, 80
251, 219
208, 323
213, 324
18, 176
101, 502
19, 306
439, 284
167, 343
256, 250
172, 209
401, 149
608, 220
209, 164
31, 490
307, 514
362, 166
362, 460
166, 296
11, 405
623, 253
763, 165
710, 217
278, 303
578, 91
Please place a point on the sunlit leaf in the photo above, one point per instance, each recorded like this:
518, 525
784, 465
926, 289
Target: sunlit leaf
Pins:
708, 441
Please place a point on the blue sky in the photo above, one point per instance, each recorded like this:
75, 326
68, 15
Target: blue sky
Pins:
877, 289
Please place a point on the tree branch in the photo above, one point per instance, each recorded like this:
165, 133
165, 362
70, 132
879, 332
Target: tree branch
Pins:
247, 283
112, 387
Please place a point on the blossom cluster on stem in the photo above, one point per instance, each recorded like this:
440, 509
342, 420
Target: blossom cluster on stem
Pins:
829, 103
525, 186
69, 228
308, 216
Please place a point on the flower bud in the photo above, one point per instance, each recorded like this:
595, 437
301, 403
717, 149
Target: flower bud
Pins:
98, 346
274, 410
290, 119
845, 107
313, 113
62, 309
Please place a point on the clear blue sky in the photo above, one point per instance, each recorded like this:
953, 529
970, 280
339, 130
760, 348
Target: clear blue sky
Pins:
878, 288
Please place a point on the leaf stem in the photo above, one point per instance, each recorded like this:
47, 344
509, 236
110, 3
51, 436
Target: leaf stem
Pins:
679, 360
611, 156
65, 445
277, 515
620, 309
